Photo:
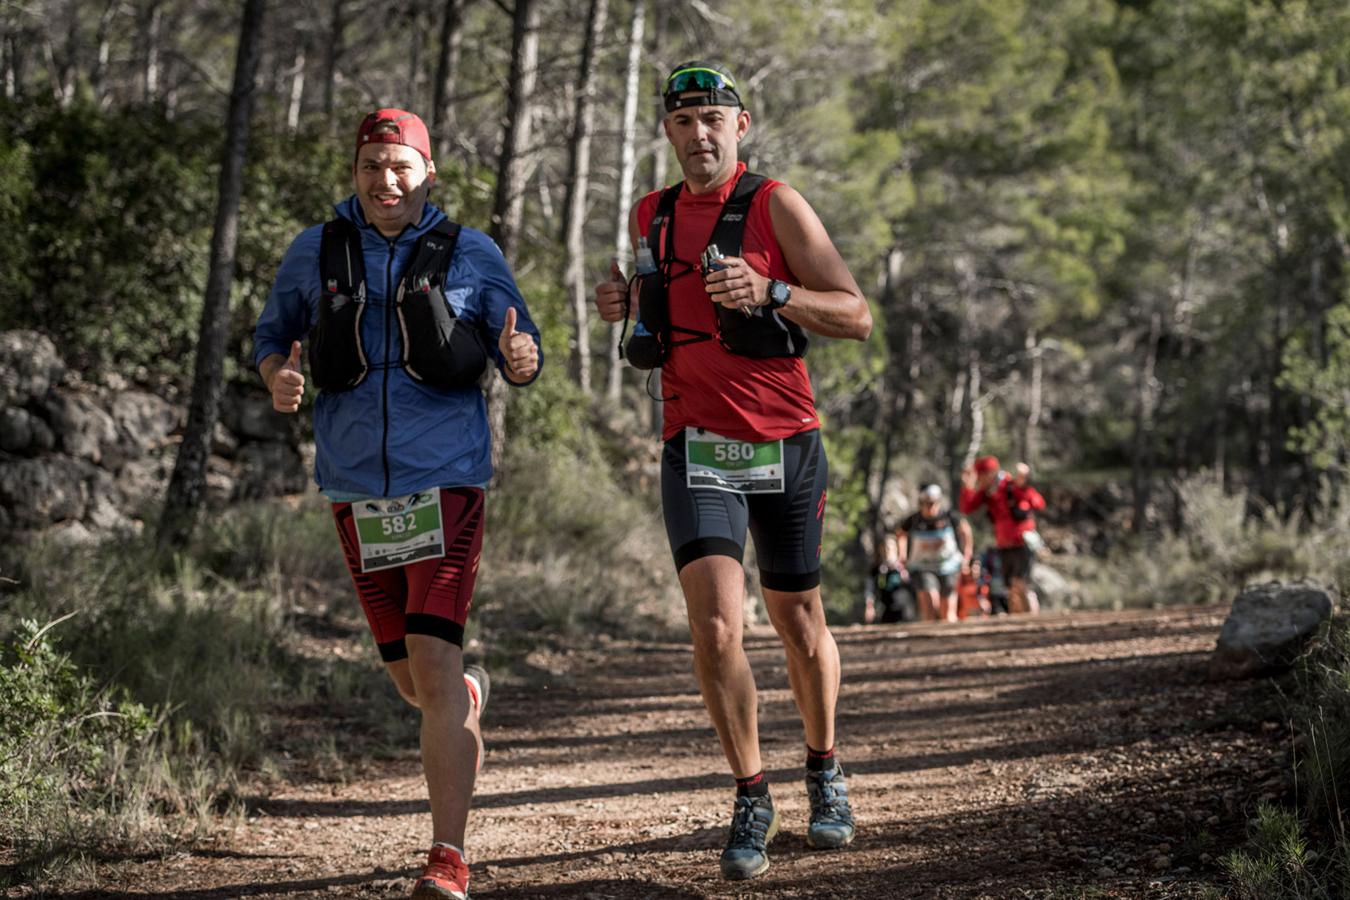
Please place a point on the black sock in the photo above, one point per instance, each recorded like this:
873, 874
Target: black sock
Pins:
819, 760
756, 785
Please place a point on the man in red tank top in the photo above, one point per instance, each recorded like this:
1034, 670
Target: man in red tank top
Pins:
743, 449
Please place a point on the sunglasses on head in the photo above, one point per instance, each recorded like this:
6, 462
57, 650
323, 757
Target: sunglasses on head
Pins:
720, 89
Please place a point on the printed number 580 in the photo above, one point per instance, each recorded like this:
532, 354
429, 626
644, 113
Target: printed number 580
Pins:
733, 452
399, 524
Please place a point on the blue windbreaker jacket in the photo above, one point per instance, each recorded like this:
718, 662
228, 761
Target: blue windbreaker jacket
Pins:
390, 435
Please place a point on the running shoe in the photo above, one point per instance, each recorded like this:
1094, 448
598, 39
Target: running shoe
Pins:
446, 877
476, 678
754, 822
831, 818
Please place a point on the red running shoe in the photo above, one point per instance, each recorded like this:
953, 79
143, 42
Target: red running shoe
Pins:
446, 877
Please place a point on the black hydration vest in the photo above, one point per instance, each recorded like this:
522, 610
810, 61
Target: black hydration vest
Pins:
439, 349
761, 335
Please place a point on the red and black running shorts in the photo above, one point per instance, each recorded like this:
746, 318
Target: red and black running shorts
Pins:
430, 596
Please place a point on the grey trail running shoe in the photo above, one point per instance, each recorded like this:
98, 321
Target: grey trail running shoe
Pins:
754, 822
831, 818
476, 677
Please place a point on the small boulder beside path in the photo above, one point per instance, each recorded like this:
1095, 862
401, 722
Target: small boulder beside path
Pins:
1267, 627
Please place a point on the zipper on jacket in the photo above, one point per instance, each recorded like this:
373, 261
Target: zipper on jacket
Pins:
388, 302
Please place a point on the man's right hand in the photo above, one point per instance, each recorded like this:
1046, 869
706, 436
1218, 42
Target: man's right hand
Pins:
611, 297
287, 385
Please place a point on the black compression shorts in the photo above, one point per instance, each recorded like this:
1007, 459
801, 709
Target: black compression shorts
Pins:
786, 527
1017, 562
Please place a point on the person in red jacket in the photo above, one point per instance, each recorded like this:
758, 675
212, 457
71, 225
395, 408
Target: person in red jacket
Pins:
1011, 503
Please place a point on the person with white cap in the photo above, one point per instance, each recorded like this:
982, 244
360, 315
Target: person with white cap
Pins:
935, 546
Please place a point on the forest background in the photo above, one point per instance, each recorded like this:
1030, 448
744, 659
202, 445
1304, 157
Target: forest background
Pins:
1108, 237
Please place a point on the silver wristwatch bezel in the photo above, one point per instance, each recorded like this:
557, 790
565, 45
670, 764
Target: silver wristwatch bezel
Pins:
774, 287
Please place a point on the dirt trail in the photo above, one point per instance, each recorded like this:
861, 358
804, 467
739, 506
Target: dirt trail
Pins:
1039, 757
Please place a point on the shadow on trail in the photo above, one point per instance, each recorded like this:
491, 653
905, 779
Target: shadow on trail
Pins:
332, 885
678, 787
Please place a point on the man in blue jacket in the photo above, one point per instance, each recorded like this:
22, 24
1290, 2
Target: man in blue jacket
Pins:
403, 311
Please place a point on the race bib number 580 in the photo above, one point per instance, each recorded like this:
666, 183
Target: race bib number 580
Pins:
742, 467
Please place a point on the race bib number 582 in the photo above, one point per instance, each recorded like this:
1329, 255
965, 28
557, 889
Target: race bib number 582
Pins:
399, 530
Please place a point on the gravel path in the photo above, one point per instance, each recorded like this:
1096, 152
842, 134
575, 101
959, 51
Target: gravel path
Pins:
1050, 757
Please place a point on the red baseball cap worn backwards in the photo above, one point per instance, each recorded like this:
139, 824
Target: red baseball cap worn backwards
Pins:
986, 464
394, 126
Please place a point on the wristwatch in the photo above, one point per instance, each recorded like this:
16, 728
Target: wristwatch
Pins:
780, 292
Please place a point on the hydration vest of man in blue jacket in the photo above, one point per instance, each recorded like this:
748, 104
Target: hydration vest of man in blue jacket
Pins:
404, 314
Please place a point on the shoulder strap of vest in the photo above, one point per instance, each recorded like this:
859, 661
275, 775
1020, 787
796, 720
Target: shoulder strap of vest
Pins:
341, 260
664, 215
432, 255
729, 232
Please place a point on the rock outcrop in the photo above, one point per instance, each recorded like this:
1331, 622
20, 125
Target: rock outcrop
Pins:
79, 461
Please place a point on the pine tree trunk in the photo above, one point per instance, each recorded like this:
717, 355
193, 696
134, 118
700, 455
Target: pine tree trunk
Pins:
297, 98
447, 68
509, 204
1141, 462
1035, 401
336, 27
98, 74
150, 30
187, 487
627, 170
574, 207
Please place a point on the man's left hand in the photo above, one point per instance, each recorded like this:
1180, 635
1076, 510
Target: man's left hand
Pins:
518, 350
1022, 474
737, 286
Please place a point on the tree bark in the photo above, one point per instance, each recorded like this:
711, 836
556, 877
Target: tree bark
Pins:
447, 68
1035, 400
187, 487
150, 30
297, 98
574, 206
98, 74
627, 171
509, 204
1141, 463
336, 27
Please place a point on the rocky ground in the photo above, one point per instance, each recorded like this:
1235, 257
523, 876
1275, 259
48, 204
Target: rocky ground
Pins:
1062, 756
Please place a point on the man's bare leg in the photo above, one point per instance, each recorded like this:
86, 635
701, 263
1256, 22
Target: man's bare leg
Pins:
812, 660
714, 590
451, 740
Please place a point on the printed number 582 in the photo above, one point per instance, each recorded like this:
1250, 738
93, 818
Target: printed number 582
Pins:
399, 524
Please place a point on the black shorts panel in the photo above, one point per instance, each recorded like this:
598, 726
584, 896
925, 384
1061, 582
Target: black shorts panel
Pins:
786, 527
1017, 562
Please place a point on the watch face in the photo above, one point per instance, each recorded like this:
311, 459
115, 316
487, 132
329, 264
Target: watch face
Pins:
779, 293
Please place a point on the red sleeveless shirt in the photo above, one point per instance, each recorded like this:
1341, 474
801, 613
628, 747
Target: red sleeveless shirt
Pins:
710, 387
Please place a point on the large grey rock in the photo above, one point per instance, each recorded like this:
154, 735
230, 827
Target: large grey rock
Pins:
143, 481
16, 430
29, 366
144, 421
84, 430
1268, 625
267, 469
39, 492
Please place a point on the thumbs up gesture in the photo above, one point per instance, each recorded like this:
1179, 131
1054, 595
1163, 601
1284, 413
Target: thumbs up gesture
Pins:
518, 349
611, 296
287, 384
